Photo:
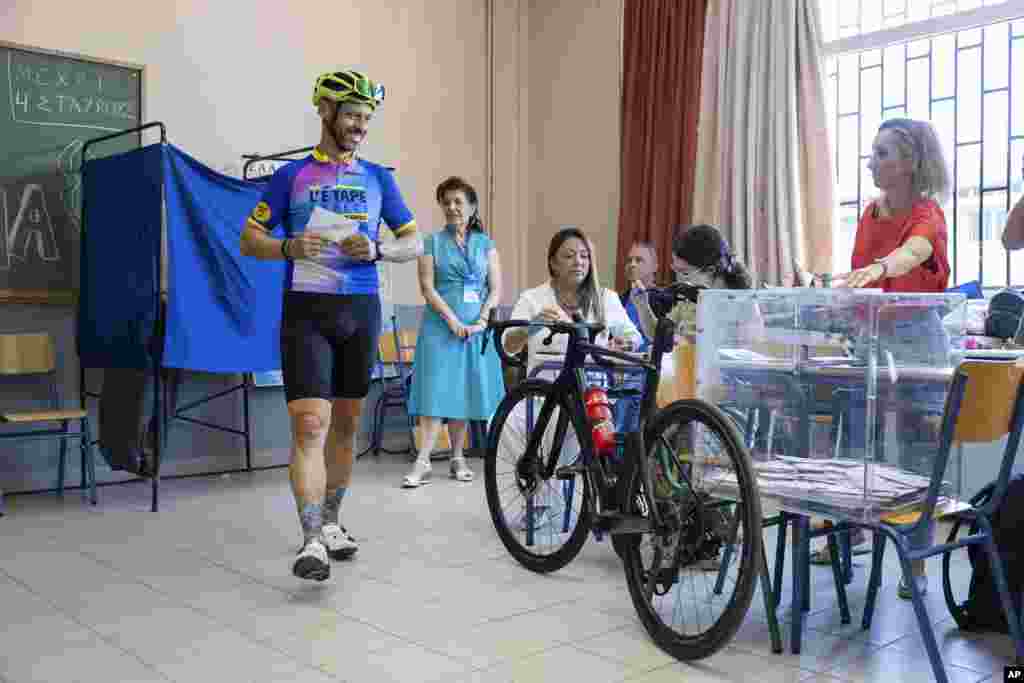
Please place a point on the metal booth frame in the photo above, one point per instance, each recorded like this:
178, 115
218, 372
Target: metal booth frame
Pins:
165, 393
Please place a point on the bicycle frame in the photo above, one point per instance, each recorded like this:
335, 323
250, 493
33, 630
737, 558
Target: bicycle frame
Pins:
570, 385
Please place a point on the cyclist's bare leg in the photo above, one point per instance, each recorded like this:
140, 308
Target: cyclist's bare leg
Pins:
310, 418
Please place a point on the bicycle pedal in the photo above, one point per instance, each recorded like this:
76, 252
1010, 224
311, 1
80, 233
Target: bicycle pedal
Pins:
569, 472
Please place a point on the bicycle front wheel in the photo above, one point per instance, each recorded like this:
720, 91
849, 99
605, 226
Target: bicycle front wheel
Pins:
542, 520
692, 577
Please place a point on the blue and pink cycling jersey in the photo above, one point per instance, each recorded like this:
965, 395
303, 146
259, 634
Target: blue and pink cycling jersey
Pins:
362, 193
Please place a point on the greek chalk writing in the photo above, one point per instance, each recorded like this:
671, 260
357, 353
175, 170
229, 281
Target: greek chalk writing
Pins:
5, 252
60, 76
31, 235
48, 91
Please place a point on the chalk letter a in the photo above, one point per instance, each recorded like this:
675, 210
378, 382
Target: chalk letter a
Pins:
32, 226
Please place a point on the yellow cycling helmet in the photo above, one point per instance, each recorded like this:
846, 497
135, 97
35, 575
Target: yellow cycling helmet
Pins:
347, 86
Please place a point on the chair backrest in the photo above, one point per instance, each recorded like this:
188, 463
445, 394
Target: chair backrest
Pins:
397, 346
683, 382
992, 407
984, 403
988, 407
27, 353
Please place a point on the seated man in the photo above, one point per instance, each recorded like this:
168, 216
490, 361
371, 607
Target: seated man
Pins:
641, 265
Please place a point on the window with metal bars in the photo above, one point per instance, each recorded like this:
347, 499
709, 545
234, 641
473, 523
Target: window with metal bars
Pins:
969, 83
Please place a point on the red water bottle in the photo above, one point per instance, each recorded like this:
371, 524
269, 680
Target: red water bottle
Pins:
600, 415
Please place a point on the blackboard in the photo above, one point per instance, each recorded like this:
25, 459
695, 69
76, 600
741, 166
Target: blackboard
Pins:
50, 104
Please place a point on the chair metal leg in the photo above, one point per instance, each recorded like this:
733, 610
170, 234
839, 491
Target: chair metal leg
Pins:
923, 622
378, 419
999, 574
730, 548
780, 555
838, 575
62, 465
89, 457
478, 433
877, 554
412, 435
771, 603
84, 469
800, 559
846, 555
805, 564
750, 429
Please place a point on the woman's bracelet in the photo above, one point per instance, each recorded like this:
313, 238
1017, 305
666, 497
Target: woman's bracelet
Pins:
284, 249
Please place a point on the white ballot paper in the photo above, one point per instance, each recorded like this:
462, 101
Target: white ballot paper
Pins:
323, 273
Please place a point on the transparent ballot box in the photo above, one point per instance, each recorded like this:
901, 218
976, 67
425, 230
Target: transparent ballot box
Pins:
837, 393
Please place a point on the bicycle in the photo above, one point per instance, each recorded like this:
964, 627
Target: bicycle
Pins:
569, 488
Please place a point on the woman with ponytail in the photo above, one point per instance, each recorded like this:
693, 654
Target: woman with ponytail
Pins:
700, 256
460, 278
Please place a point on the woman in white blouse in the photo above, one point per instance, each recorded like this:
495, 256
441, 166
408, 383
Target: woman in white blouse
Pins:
573, 288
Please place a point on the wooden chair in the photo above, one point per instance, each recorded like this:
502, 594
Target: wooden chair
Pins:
33, 355
397, 348
683, 383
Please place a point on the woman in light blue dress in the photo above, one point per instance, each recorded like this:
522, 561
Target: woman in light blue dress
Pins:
460, 277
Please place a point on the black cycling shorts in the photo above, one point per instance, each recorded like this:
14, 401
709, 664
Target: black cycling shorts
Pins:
328, 344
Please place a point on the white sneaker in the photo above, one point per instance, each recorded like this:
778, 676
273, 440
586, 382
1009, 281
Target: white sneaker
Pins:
311, 562
419, 475
340, 545
459, 470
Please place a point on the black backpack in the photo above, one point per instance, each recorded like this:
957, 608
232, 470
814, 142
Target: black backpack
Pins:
1004, 313
983, 610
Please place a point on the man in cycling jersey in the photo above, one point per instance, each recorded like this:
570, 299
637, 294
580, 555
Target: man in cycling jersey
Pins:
331, 313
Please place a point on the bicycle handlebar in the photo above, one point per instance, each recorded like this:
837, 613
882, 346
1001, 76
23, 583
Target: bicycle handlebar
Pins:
661, 299
497, 328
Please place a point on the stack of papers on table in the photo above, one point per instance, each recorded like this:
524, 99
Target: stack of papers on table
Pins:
838, 483
744, 355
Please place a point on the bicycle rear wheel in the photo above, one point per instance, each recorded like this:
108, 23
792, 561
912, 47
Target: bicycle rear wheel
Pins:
690, 596
542, 521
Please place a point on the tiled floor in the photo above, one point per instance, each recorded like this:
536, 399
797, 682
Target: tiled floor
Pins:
201, 591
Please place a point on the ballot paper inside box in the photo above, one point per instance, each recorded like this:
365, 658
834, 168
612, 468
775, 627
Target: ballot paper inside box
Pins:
838, 393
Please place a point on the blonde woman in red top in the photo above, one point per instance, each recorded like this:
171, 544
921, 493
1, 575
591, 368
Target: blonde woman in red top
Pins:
901, 243
902, 240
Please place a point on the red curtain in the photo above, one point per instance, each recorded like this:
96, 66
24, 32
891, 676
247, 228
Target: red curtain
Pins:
663, 45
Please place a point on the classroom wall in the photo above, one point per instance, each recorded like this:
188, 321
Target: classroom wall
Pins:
555, 131
574, 110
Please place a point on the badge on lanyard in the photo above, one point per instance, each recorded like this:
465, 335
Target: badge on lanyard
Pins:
471, 289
